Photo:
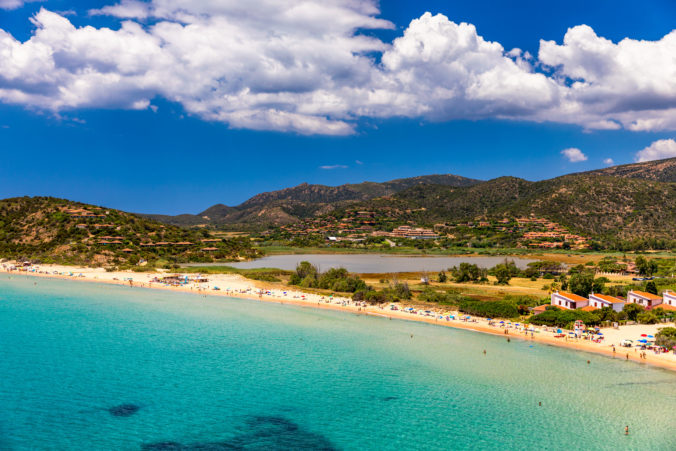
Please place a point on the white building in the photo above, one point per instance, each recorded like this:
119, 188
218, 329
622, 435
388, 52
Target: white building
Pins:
569, 301
601, 300
647, 300
669, 298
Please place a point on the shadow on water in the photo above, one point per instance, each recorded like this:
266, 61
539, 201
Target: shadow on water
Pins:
123, 410
263, 433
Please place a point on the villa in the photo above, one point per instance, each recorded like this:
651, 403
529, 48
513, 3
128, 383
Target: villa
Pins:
569, 301
602, 300
647, 300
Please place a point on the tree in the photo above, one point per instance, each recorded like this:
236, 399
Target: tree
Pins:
305, 273
442, 278
645, 267
581, 283
651, 287
502, 273
632, 311
466, 272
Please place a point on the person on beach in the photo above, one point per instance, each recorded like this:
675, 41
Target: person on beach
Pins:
626, 430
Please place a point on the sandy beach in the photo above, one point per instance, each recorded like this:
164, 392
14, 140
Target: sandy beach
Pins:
231, 285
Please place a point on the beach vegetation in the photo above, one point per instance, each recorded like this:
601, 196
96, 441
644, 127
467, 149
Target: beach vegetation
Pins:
647, 318
489, 309
666, 337
307, 275
555, 317
632, 311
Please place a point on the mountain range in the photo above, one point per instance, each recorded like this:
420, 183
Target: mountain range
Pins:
625, 202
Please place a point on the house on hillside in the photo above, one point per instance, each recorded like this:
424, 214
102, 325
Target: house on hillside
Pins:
647, 300
602, 300
569, 301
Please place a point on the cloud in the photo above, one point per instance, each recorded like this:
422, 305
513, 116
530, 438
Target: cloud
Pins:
14, 4
658, 150
631, 83
307, 67
333, 166
125, 9
359, 162
574, 155
609, 161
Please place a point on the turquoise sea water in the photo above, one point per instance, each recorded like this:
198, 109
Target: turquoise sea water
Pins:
222, 374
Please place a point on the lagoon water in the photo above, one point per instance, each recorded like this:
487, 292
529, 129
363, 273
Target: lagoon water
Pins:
220, 374
373, 263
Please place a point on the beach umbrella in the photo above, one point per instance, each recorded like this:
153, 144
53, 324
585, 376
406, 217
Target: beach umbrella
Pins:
558, 331
502, 322
600, 333
650, 336
489, 319
643, 335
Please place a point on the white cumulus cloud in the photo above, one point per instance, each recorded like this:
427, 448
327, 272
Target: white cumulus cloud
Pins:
631, 83
13, 4
305, 66
609, 161
574, 155
658, 150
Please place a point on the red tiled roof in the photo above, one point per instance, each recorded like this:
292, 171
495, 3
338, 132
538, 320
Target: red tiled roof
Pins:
571, 296
607, 298
643, 294
588, 308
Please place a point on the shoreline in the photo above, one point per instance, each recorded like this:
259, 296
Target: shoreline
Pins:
240, 287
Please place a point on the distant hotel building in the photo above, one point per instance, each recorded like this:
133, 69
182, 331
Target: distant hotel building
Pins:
416, 233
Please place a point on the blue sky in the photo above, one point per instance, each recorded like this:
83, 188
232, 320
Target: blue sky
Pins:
172, 154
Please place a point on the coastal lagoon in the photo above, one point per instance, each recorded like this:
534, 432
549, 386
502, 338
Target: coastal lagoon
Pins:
373, 263
101, 367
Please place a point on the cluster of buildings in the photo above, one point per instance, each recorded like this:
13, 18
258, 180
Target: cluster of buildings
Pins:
83, 213
415, 233
571, 301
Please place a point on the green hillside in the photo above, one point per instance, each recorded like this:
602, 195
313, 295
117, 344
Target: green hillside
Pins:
56, 230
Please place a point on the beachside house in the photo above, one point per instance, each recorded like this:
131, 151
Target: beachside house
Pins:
602, 300
570, 301
669, 298
647, 300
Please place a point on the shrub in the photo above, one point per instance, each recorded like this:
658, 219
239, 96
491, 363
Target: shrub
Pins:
666, 337
492, 309
556, 317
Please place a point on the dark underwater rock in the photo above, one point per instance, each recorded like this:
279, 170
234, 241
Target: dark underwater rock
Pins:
123, 410
264, 433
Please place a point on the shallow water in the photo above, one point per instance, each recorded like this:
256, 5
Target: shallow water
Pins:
373, 263
218, 373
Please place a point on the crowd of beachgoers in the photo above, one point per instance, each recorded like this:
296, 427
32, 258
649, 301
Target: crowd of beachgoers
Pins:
633, 342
